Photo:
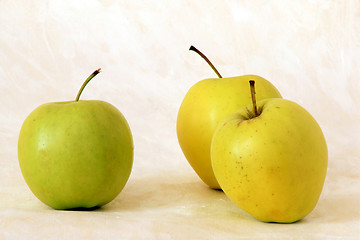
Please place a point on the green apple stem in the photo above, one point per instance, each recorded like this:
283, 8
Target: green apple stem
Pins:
86, 82
206, 59
252, 90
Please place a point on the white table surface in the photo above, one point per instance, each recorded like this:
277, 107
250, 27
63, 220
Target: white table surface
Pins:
308, 49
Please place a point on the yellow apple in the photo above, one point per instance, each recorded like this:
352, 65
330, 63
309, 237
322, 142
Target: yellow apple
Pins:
204, 106
272, 163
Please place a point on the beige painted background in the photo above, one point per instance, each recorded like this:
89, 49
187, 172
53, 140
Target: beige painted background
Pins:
310, 50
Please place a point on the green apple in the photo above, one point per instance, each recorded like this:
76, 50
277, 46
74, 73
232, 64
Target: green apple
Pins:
204, 106
76, 154
271, 160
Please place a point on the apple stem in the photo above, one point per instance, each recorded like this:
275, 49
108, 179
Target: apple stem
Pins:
206, 59
86, 82
252, 90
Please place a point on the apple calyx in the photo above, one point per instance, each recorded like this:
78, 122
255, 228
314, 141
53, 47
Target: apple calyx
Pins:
96, 72
206, 59
253, 98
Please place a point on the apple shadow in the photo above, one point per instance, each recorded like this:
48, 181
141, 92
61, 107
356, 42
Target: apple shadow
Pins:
177, 195
338, 208
188, 195
157, 192
83, 209
180, 194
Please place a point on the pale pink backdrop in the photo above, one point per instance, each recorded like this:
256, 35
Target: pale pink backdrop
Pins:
310, 50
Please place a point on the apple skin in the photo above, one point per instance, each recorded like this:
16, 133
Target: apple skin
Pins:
75, 154
272, 166
204, 106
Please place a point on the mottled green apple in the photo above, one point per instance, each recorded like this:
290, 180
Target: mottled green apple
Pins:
76, 154
271, 163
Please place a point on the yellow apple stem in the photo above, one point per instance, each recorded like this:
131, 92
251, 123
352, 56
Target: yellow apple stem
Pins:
86, 82
206, 59
252, 90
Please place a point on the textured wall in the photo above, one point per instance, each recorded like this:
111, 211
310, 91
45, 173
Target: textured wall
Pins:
309, 50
